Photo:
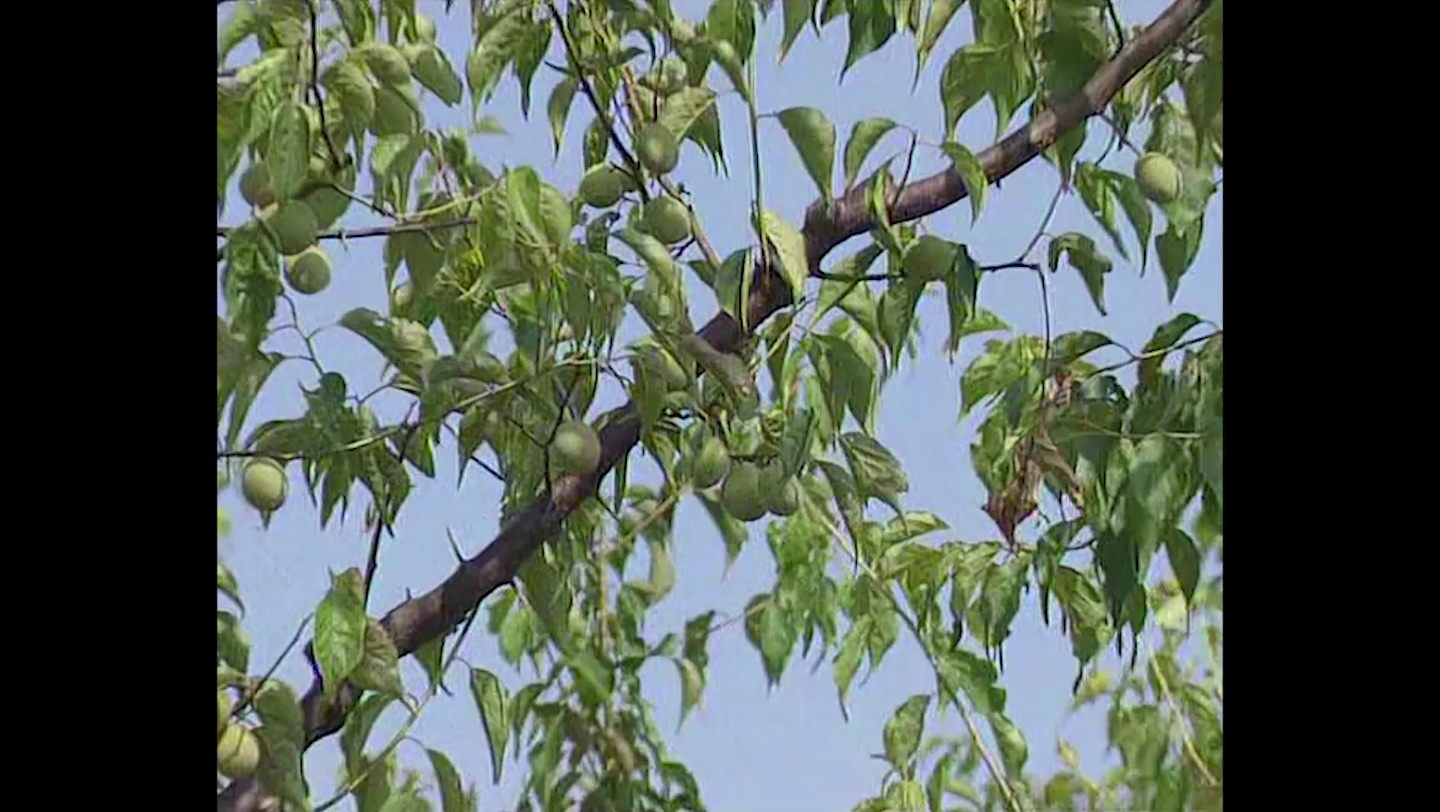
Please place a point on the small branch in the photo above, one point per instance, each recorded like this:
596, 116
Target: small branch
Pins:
315, 83
840, 277
1033, 266
1136, 358
249, 696
376, 231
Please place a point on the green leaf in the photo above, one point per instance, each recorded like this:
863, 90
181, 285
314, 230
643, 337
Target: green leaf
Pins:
904, 729
1176, 249
1013, 750
1164, 337
1184, 560
847, 659
490, 700
871, 26
863, 138
1212, 457
340, 630
796, 13
849, 380
965, 80
768, 630
732, 531
493, 51
279, 709
683, 108
1099, 198
968, 167
1137, 209
280, 770
877, 473
358, 726
999, 602
230, 641
814, 138
963, 673
436, 75
224, 579
789, 247
692, 685
662, 572
379, 668
452, 793
288, 158
557, 109
1082, 254
595, 682
937, 17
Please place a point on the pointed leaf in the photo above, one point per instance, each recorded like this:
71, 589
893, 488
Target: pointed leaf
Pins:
877, 473
863, 138
1082, 254
796, 13
288, 159
490, 700
904, 729
452, 792
340, 630
789, 247
692, 685
968, 167
683, 108
814, 138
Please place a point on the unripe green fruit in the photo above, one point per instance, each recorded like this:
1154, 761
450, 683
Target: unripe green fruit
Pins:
263, 484
666, 220
576, 449
255, 185
784, 498
602, 187
393, 114
294, 225
1158, 176
309, 271
387, 63
740, 495
928, 258
711, 464
238, 752
672, 75
222, 711
657, 148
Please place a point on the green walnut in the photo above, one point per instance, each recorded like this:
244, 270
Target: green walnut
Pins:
255, 185
657, 148
666, 219
928, 258
237, 754
784, 498
263, 484
740, 495
309, 271
711, 464
602, 187
576, 448
1158, 176
294, 226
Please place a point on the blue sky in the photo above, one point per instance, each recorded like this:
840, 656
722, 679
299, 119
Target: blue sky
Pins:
786, 749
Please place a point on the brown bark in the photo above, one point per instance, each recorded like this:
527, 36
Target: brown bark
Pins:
421, 619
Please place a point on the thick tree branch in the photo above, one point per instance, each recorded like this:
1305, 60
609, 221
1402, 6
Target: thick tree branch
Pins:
423, 618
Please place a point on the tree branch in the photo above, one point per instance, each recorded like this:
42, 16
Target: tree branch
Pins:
439, 611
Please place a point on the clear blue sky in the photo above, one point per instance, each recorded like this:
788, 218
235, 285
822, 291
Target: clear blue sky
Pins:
786, 750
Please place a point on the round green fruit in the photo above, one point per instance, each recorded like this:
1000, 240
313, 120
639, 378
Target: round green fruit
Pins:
657, 148
238, 752
928, 258
576, 448
393, 114
602, 187
1158, 176
666, 219
255, 185
672, 75
263, 484
222, 711
388, 64
784, 498
309, 271
711, 464
740, 495
294, 225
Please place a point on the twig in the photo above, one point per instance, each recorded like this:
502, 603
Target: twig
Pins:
1034, 266
1136, 358
1186, 734
873, 277
315, 83
377, 231
249, 696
